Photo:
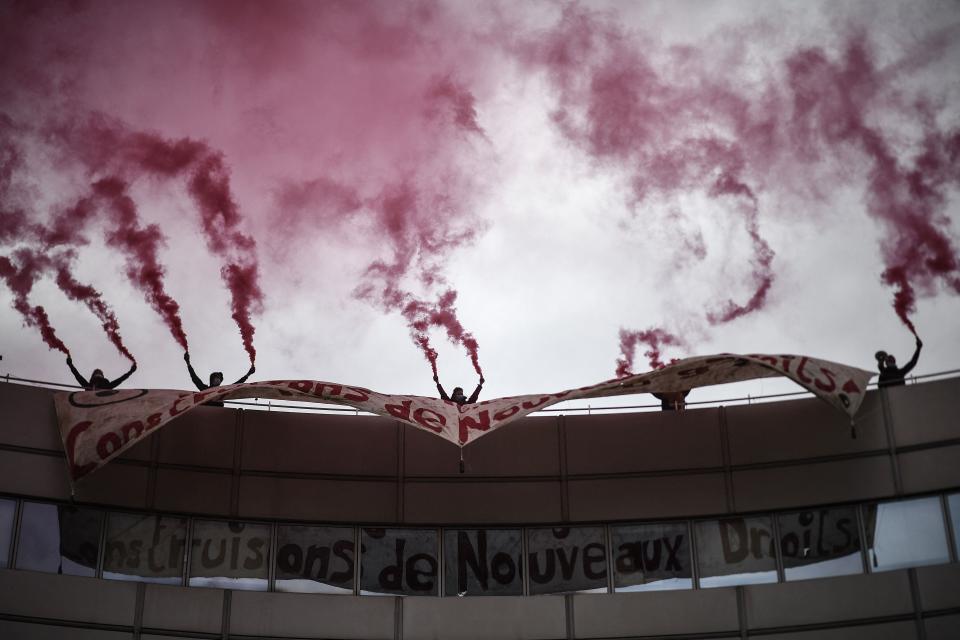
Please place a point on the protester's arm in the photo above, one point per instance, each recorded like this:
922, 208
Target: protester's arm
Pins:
76, 374
913, 361
116, 383
476, 392
443, 394
248, 374
193, 374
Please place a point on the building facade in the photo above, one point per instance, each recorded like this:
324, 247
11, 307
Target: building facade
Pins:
767, 520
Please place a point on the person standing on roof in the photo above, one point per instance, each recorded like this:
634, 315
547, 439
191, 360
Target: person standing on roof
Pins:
458, 395
216, 378
97, 380
890, 374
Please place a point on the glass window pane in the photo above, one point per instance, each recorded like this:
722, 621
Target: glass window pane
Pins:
314, 559
483, 562
8, 509
399, 561
820, 543
650, 557
145, 548
736, 551
953, 503
909, 533
59, 539
567, 559
231, 555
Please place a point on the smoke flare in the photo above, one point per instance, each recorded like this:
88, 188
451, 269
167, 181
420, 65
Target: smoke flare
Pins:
656, 339
141, 247
94, 302
20, 279
831, 103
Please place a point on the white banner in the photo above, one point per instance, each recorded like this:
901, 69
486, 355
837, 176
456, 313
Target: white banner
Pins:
96, 426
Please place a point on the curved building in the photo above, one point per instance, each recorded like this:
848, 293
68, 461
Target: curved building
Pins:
765, 520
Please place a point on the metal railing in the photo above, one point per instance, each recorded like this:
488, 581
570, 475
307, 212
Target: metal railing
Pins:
315, 407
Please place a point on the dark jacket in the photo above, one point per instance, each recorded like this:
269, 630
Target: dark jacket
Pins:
473, 397
203, 387
99, 383
893, 376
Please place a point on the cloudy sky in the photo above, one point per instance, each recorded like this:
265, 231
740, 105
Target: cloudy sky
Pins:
747, 177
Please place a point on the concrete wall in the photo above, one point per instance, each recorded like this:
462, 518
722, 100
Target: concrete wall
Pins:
604, 468
355, 469
900, 605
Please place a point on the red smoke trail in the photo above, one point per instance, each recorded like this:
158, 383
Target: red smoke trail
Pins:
210, 187
93, 301
624, 110
105, 145
208, 183
655, 338
414, 226
20, 279
443, 314
140, 245
831, 103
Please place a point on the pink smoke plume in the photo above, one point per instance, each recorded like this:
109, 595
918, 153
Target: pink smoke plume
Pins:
107, 145
414, 226
656, 339
93, 300
140, 245
626, 111
20, 278
673, 125
422, 316
831, 102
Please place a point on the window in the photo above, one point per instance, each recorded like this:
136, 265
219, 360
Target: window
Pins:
953, 503
399, 561
230, 555
649, 557
483, 562
567, 559
59, 539
736, 551
908, 533
145, 548
820, 543
8, 509
314, 559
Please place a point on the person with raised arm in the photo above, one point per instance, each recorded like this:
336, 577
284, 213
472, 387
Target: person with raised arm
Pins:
890, 374
216, 378
97, 380
457, 395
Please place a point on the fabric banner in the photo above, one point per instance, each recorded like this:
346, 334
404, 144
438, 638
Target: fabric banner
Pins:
96, 426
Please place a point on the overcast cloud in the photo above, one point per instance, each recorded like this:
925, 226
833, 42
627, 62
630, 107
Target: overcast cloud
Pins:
318, 108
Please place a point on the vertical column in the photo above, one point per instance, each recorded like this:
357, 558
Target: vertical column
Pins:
725, 452
152, 471
568, 611
14, 534
401, 469
138, 612
891, 441
948, 523
237, 460
398, 617
564, 483
742, 611
225, 619
917, 606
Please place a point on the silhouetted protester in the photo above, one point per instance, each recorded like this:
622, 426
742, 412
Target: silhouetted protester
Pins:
672, 400
457, 395
216, 378
890, 374
97, 379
